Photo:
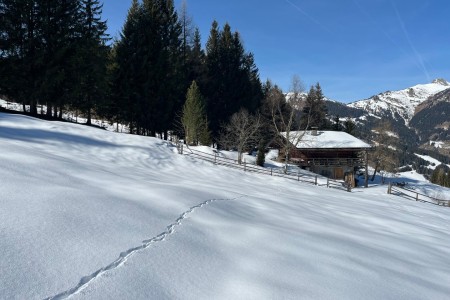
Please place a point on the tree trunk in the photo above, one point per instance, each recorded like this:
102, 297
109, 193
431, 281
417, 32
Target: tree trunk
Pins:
366, 165
374, 173
49, 110
33, 108
286, 159
88, 122
240, 157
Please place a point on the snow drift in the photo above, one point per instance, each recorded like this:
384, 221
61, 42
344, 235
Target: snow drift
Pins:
92, 214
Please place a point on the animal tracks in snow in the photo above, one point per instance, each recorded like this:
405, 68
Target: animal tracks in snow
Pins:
124, 256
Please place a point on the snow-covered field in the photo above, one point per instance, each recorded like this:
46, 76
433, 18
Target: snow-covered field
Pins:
91, 214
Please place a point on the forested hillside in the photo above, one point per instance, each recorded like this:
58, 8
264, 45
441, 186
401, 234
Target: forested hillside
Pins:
432, 117
57, 54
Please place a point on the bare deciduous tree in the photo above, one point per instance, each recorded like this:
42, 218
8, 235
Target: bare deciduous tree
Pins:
285, 116
384, 156
242, 132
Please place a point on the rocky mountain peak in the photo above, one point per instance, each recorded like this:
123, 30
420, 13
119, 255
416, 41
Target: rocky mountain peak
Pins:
401, 104
441, 81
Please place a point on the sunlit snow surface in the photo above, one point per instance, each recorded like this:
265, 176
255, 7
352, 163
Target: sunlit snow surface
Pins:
99, 215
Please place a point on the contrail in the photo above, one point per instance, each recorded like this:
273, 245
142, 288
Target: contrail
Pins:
364, 11
377, 24
418, 56
311, 18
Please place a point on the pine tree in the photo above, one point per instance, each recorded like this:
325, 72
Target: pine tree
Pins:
205, 133
232, 80
349, 126
337, 124
187, 33
213, 85
315, 110
196, 61
20, 44
126, 73
440, 176
261, 156
149, 72
58, 28
193, 118
92, 58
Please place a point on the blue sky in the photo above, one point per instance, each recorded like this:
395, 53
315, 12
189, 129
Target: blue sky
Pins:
354, 48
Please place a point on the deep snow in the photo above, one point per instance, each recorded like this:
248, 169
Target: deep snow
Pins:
100, 215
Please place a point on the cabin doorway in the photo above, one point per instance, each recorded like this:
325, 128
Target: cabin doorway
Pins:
338, 173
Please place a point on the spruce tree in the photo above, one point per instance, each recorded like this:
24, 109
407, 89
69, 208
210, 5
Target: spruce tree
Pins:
58, 30
213, 86
193, 118
126, 72
337, 124
20, 44
205, 133
349, 126
232, 80
261, 156
92, 58
149, 67
315, 110
196, 61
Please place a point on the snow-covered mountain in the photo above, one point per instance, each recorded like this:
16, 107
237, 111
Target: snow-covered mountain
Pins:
401, 105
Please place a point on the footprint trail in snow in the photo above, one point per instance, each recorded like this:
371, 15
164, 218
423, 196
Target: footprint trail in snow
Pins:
124, 256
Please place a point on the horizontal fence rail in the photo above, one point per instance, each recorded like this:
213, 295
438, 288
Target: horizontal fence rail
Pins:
414, 195
329, 162
278, 172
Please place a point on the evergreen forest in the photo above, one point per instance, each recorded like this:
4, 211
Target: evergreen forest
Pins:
56, 54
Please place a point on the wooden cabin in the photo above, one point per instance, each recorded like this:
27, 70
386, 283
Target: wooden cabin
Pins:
333, 154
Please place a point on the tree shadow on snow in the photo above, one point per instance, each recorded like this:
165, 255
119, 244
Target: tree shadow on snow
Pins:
39, 135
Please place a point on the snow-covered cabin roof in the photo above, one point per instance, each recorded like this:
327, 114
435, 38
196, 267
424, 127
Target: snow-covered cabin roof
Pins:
325, 140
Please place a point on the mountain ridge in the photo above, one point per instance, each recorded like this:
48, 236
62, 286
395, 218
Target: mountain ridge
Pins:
401, 104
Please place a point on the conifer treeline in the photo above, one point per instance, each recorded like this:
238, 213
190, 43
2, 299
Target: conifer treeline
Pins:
158, 56
53, 52
56, 53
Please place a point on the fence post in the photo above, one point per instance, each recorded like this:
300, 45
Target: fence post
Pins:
181, 149
417, 196
349, 187
271, 170
389, 188
215, 158
328, 182
298, 175
245, 165
315, 182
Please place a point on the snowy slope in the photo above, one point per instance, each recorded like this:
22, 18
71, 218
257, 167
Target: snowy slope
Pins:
99, 215
402, 102
434, 161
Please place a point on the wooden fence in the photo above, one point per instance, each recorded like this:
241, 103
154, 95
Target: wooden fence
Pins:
414, 195
279, 172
